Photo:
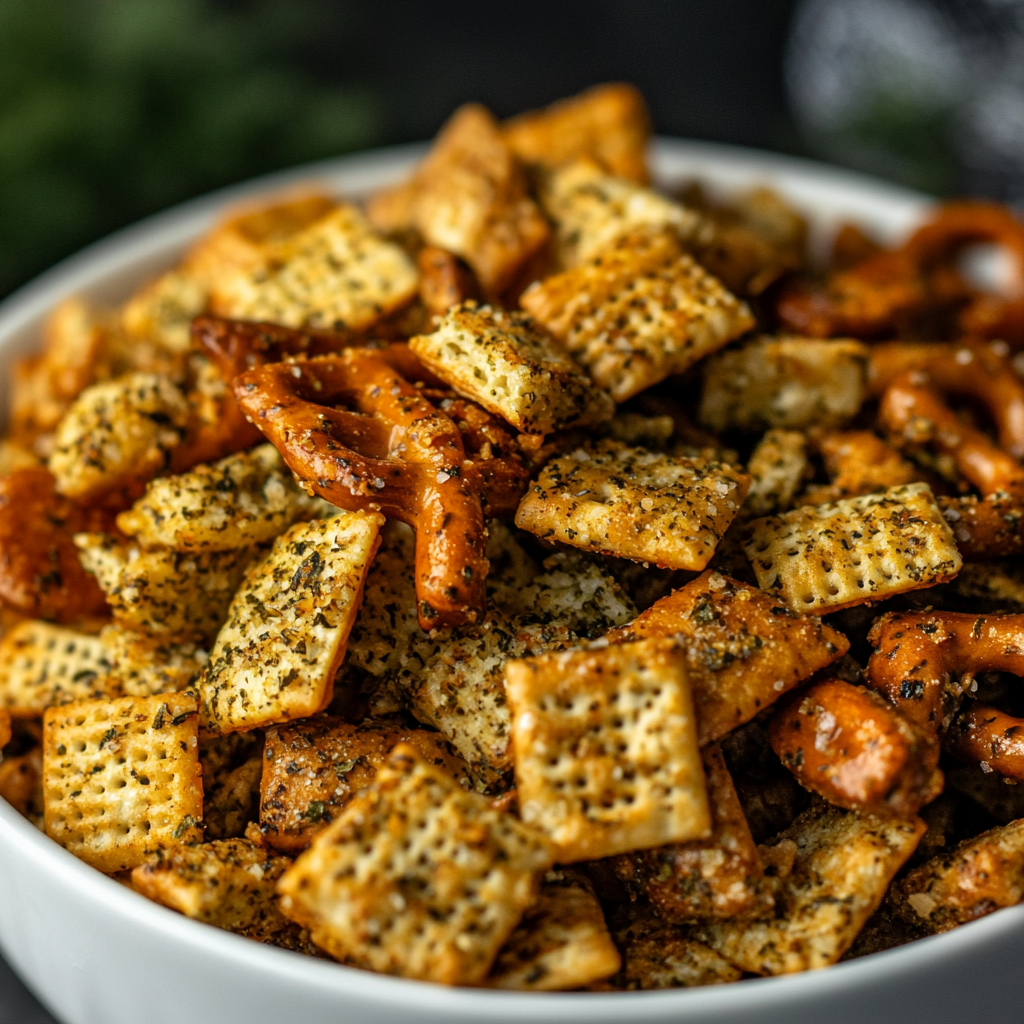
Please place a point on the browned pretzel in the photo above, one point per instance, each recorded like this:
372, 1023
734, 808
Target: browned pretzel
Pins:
991, 738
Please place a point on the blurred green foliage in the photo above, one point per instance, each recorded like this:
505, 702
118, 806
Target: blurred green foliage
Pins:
112, 109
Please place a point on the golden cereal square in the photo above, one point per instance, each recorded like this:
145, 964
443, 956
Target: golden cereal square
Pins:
791, 383
42, 664
561, 943
142, 665
417, 877
336, 274
605, 749
820, 558
777, 467
513, 368
121, 777
636, 504
638, 312
275, 658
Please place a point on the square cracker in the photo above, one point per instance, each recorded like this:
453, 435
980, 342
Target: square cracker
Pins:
513, 368
562, 942
161, 313
633, 503
337, 274
792, 383
605, 749
843, 863
417, 877
142, 665
42, 665
121, 777
820, 558
275, 658
777, 468
638, 312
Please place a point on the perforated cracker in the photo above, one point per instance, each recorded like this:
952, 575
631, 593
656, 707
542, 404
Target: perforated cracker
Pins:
786, 382
417, 877
634, 503
778, 467
336, 274
825, 557
562, 942
312, 769
42, 665
504, 361
605, 748
182, 595
121, 777
638, 312
843, 864
243, 500
142, 665
116, 432
275, 658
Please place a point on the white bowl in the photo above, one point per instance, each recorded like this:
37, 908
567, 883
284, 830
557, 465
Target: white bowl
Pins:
96, 953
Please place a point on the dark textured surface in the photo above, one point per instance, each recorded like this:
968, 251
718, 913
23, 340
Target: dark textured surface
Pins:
17, 1004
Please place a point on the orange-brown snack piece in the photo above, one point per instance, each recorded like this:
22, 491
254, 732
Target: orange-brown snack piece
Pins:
5, 727
445, 280
21, 783
859, 462
991, 738
743, 649
851, 746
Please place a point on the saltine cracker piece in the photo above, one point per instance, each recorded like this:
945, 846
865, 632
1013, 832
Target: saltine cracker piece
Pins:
246, 499
638, 312
275, 658
561, 943
820, 558
605, 749
777, 468
229, 883
417, 877
513, 368
42, 665
608, 123
744, 650
117, 432
791, 383
181, 595
121, 777
143, 665
843, 864
337, 274
633, 503
592, 210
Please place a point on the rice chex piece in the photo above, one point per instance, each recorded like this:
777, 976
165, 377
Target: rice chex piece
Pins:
142, 665
792, 383
42, 665
843, 865
275, 658
513, 368
229, 883
562, 942
417, 877
312, 769
821, 558
246, 499
122, 777
635, 504
605, 748
337, 274
777, 468
638, 312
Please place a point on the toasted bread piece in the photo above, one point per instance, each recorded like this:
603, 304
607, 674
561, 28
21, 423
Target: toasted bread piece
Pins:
312, 769
562, 942
42, 665
161, 312
121, 777
417, 877
605, 747
275, 658
743, 649
336, 274
791, 383
513, 368
142, 665
777, 468
638, 312
181, 595
825, 557
636, 504
243, 500
608, 123
842, 864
